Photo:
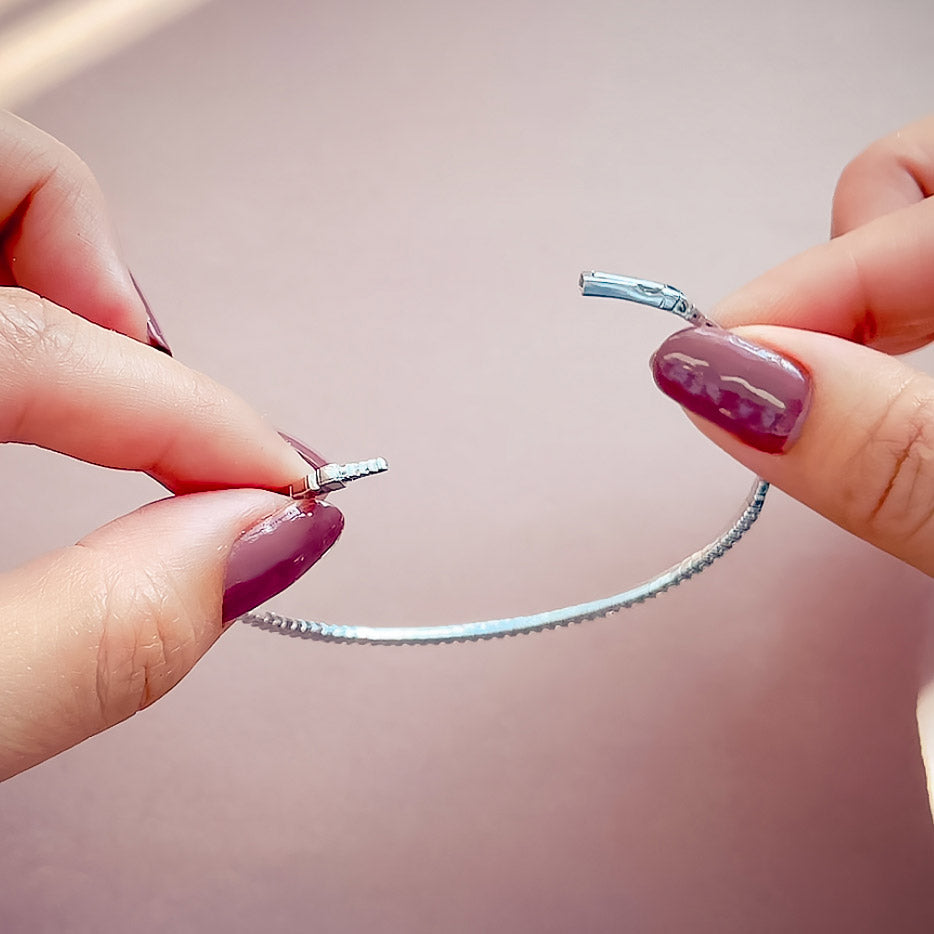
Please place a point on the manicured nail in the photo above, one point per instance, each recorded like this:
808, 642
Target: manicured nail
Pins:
277, 552
754, 393
153, 331
307, 454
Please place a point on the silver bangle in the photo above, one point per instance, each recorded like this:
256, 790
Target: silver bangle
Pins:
333, 476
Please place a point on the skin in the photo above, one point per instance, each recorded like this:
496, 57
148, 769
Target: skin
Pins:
94, 632
865, 455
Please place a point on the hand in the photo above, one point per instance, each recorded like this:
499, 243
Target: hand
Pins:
92, 633
802, 390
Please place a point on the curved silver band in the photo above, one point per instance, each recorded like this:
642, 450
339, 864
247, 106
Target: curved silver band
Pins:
644, 292
493, 628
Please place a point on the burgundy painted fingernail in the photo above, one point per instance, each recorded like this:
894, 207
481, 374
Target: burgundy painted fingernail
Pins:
274, 554
754, 393
153, 331
307, 454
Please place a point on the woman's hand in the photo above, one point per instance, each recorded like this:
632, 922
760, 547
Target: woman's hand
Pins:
94, 632
802, 389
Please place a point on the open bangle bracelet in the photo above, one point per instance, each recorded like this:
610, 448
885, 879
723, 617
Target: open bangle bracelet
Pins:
333, 476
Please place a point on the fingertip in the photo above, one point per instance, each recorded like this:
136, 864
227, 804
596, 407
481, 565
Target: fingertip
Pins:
276, 552
891, 173
751, 391
877, 182
862, 456
58, 238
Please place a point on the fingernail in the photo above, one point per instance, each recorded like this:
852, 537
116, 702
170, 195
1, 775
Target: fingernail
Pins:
756, 394
308, 455
153, 331
277, 552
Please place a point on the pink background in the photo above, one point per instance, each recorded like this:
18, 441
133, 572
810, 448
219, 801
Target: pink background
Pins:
369, 219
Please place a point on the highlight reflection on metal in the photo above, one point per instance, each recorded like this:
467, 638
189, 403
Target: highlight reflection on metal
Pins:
643, 292
331, 477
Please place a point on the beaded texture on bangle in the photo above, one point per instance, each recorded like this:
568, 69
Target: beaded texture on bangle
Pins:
644, 292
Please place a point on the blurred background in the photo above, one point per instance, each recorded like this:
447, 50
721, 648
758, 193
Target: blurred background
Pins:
369, 220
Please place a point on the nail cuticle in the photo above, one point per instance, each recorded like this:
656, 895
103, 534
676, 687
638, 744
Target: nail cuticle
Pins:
753, 392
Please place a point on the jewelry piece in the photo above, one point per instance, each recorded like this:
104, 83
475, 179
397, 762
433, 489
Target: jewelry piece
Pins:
335, 476
330, 477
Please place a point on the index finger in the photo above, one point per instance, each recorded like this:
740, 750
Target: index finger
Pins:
55, 234
98, 396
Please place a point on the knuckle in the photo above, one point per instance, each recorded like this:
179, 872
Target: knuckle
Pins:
36, 338
33, 330
892, 490
206, 398
147, 642
857, 174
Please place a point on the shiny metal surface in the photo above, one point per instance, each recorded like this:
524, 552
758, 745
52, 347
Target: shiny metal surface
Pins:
740, 755
331, 477
606, 285
517, 625
642, 291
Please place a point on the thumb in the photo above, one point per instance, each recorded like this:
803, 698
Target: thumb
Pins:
845, 429
93, 633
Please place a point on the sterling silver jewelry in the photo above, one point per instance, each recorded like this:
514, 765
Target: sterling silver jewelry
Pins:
335, 476
330, 477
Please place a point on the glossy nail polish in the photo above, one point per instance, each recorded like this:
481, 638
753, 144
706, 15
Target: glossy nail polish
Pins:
307, 454
754, 393
153, 331
277, 552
